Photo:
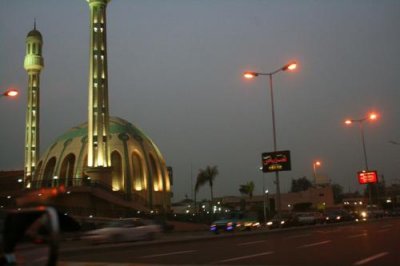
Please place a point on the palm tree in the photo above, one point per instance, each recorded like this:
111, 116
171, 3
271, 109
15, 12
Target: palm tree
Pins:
206, 176
247, 189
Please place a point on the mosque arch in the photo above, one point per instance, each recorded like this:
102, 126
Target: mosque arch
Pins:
49, 172
157, 185
116, 175
138, 177
67, 170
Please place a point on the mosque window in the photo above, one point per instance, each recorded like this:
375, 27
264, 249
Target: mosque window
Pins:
137, 172
34, 48
29, 48
117, 175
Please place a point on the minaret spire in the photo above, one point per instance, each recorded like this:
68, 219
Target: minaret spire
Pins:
98, 110
33, 64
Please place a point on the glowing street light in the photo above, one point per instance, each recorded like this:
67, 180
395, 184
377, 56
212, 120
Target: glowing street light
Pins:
371, 117
9, 93
315, 164
250, 75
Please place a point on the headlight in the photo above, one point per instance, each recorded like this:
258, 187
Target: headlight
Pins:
282, 222
364, 214
269, 223
338, 217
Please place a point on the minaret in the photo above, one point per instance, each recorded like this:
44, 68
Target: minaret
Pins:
98, 122
33, 64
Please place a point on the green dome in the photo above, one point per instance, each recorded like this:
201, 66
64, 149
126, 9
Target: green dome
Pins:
35, 33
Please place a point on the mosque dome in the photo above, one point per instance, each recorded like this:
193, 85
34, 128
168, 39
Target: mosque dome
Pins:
35, 33
138, 167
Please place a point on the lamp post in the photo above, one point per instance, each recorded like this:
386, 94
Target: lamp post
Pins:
315, 164
372, 117
9, 93
250, 75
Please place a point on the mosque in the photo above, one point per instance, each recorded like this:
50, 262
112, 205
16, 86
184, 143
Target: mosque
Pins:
106, 165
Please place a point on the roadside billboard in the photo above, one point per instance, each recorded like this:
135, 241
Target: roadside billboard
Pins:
276, 161
367, 177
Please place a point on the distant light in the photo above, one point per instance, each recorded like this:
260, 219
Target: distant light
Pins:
20, 180
55, 177
373, 116
10, 93
266, 191
290, 66
250, 75
348, 122
68, 192
388, 201
91, 216
318, 163
9, 197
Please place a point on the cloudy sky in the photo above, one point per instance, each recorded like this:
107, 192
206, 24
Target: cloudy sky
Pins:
175, 71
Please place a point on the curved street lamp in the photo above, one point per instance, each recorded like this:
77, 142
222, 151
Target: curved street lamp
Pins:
315, 164
250, 75
372, 117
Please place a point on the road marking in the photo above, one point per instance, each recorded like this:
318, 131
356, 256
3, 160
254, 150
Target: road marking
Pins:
168, 254
251, 243
359, 235
315, 244
377, 256
387, 226
297, 236
383, 230
245, 257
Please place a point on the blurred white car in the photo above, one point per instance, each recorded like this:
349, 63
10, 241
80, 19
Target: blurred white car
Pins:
122, 230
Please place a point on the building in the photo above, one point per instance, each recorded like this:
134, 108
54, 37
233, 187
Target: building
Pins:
320, 197
106, 166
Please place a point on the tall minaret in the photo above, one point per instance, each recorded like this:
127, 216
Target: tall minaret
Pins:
33, 64
98, 121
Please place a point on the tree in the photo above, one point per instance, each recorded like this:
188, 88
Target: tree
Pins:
207, 175
247, 189
337, 191
300, 184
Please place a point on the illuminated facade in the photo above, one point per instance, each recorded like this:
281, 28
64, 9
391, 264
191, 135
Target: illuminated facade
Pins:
97, 161
98, 117
138, 171
33, 64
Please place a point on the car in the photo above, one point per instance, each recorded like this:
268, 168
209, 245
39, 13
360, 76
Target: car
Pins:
123, 230
283, 220
307, 218
335, 216
234, 222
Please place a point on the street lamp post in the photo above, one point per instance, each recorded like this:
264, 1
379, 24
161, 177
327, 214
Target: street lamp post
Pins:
360, 122
250, 75
315, 164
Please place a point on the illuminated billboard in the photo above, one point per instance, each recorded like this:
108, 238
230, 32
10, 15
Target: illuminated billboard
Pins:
276, 161
367, 177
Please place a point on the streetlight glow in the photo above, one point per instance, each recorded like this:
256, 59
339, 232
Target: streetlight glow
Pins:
348, 122
250, 75
373, 116
290, 66
10, 93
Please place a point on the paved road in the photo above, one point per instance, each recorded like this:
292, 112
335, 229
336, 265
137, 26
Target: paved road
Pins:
373, 243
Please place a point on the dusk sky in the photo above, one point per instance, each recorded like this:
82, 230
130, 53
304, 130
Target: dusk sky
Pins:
175, 71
